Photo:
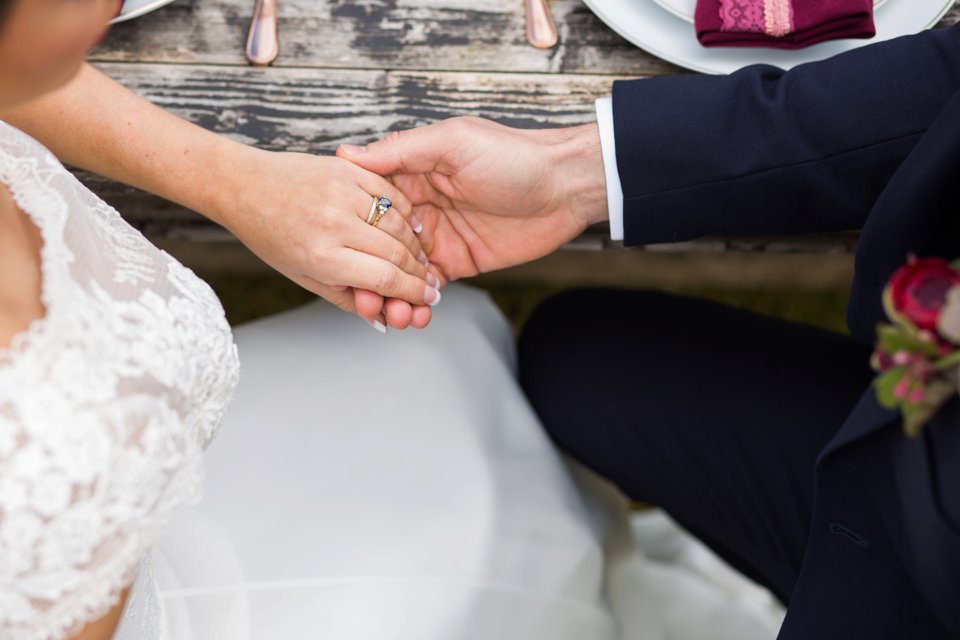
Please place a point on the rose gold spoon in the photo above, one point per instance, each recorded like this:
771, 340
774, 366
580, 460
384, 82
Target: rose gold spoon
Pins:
541, 29
262, 42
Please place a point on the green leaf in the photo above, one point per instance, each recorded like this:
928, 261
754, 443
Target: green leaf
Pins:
885, 384
914, 419
888, 302
895, 338
896, 317
915, 416
949, 361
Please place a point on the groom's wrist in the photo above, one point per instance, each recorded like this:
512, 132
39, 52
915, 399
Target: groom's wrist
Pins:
578, 162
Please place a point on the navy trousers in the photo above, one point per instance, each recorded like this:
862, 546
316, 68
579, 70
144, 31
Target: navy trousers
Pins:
715, 414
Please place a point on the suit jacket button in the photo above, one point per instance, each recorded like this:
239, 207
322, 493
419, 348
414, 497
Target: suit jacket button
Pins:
848, 533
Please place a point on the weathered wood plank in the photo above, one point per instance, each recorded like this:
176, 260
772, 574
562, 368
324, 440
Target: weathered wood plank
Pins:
457, 35
460, 35
316, 109
951, 18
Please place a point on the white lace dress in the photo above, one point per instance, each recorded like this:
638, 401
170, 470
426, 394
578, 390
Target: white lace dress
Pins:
106, 404
363, 487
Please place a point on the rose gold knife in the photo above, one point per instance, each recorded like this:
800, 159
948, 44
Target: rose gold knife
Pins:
541, 29
262, 42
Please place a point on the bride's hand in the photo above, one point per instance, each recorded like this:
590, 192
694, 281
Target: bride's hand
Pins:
306, 217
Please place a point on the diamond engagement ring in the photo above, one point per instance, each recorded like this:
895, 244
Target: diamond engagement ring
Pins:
378, 208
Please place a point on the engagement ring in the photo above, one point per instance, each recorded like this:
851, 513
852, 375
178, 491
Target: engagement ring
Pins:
378, 209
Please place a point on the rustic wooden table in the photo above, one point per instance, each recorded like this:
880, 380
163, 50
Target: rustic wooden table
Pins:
351, 70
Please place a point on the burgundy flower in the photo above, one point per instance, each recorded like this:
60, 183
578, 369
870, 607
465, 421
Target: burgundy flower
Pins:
919, 289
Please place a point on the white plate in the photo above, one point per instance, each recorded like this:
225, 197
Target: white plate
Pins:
685, 8
647, 25
136, 8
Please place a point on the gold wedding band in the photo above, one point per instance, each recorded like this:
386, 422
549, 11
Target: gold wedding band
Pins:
373, 210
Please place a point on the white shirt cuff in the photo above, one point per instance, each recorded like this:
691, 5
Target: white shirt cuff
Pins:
609, 150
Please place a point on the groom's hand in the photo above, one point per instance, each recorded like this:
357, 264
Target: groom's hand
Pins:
490, 196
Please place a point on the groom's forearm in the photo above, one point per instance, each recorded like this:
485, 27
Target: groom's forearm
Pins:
97, 124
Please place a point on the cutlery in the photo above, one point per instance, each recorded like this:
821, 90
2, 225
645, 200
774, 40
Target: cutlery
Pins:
262, 42
541, 29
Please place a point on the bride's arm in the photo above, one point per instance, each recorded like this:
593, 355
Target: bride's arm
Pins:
297, 212
96, 124
105, 627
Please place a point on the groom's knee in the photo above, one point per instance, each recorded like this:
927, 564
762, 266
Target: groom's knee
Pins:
579, 361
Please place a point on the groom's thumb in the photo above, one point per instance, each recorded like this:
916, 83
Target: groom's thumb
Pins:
414, 151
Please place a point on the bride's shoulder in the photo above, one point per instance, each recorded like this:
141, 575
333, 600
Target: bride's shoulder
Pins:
20, 272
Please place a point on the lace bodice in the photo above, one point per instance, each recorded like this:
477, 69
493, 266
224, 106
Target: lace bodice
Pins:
106, 403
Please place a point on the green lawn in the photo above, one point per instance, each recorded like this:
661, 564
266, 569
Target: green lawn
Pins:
249, 297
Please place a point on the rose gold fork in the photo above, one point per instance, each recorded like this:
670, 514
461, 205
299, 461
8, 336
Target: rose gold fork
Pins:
541, 29
262, 42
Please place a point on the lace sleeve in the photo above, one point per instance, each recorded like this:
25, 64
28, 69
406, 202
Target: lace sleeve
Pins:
77, 514
105, 404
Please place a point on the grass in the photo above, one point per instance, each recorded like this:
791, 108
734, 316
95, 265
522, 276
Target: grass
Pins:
249, 297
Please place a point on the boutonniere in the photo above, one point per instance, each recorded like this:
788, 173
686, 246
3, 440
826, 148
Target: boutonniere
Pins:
918, 352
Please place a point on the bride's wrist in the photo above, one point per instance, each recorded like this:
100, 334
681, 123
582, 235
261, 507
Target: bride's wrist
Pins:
232, 179
577, 160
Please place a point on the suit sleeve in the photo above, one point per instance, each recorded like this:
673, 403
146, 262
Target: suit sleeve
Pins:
763, 151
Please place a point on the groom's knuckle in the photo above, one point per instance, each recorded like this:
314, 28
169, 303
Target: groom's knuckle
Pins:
394, 139
454, 126
464, 123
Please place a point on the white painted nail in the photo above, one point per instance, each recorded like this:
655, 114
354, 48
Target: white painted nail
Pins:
379, 326
433, 296
417, 227
433, 280
422, 259
352, 149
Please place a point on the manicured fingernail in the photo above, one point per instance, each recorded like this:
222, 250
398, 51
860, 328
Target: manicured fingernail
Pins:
433, 281
432, 296
415, 223
422, 259
379, 326
352, 149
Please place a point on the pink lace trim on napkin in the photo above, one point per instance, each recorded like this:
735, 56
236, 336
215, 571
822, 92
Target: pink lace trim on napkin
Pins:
772, 17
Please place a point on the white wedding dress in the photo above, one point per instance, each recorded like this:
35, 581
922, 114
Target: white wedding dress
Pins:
361, 487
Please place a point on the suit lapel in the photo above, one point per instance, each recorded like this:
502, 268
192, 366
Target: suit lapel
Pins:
867, 417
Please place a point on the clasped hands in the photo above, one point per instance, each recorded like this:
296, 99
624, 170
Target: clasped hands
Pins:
482, 197
469, 196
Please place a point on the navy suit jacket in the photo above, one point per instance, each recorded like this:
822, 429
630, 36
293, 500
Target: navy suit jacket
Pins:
867, 140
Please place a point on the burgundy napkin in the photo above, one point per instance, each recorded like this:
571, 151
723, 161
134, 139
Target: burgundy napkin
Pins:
781, 24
